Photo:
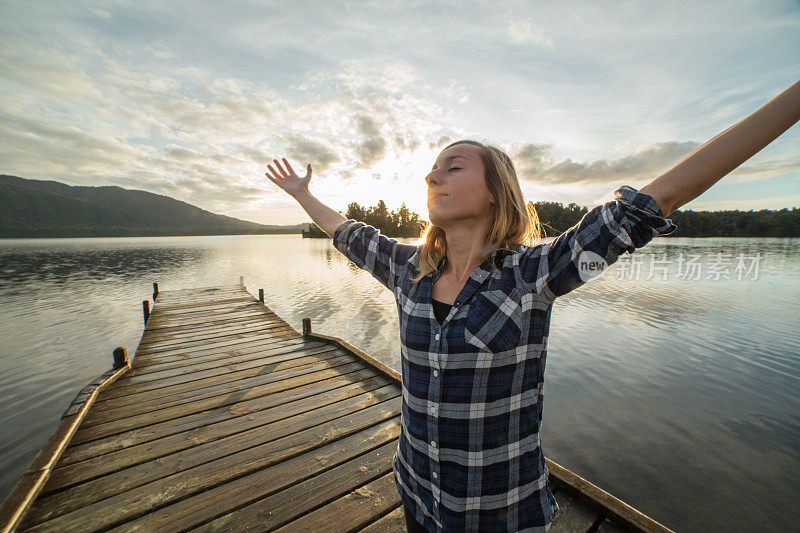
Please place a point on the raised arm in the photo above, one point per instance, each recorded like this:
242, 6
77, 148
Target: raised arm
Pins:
364, 245
297, 187
709, 163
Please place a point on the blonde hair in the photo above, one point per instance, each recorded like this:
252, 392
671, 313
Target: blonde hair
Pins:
514, 221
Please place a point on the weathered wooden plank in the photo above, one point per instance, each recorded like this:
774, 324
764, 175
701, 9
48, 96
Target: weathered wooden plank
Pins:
280, 362
329, 390
358, 508
203, 482
285, 332
350, 373
269, 374
212, 347
148, 366
574, 514
158, 401
160, 338
233, 299
212, 322
194, 315
197, 294
167, 321
220, 500
231, 302
250, 345
157, 380
240, 304
233, 349
394, 522
254, 332
332, 404
314, 425
107, 428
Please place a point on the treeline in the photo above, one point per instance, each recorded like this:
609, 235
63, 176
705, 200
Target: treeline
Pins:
556, 218
399, 223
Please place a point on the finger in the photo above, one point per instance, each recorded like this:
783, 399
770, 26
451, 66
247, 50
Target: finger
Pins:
278, 166
288, 166
308, 170
275, 174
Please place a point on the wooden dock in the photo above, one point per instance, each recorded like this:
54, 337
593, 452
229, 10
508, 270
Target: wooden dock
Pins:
228, 419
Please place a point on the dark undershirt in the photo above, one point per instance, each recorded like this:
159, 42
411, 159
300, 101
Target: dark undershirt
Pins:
440, 310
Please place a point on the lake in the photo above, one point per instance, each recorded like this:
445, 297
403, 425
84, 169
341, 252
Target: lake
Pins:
672, 381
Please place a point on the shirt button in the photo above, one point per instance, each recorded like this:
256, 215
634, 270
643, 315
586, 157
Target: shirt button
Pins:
435, 373
433, 410
437, 337
435, 475
433, 443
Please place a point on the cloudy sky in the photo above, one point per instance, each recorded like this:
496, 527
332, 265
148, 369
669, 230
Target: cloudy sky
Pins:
193, 99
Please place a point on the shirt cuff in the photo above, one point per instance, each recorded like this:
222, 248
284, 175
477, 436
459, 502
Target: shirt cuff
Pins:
646, 208
337, 233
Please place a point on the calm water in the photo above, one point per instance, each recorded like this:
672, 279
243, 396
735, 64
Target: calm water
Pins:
678, 395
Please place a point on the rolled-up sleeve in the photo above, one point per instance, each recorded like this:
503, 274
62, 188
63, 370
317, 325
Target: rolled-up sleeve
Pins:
624, 224
379, 255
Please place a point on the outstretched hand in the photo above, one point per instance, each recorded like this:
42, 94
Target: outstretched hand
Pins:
287, 179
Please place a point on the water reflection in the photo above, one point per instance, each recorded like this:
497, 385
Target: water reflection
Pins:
677, 395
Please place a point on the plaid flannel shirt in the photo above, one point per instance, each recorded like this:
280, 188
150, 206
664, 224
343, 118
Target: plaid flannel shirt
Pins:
469, 456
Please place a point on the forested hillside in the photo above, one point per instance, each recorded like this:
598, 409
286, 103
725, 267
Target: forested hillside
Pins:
34, 208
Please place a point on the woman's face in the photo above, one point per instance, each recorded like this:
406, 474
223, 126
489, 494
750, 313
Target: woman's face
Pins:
457, 187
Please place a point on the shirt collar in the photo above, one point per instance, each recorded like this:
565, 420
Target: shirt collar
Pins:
497, 258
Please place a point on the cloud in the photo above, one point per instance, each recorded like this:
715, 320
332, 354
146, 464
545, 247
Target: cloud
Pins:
535, 163
441, 141
258, 157
183, 154
523, 31
307, 150
371, 150
366, 125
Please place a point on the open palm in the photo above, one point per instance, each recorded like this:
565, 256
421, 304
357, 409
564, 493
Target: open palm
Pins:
287, 179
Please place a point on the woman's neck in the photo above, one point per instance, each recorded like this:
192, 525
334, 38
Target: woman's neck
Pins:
466, 250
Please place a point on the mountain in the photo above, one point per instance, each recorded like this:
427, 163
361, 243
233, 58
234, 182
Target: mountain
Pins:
36, 208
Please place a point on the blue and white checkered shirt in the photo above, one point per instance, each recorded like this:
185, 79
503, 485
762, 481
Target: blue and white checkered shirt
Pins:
469, 456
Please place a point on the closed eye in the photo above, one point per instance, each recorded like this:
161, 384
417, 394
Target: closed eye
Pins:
456, 168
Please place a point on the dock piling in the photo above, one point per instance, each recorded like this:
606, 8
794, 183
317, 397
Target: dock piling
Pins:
146, 310
306, 326
155, 291
120, 357
261, 295
241, 281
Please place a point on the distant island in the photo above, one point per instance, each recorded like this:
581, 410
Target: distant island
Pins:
37, 208
399, 223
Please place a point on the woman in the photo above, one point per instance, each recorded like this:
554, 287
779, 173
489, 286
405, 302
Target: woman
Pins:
474, 302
